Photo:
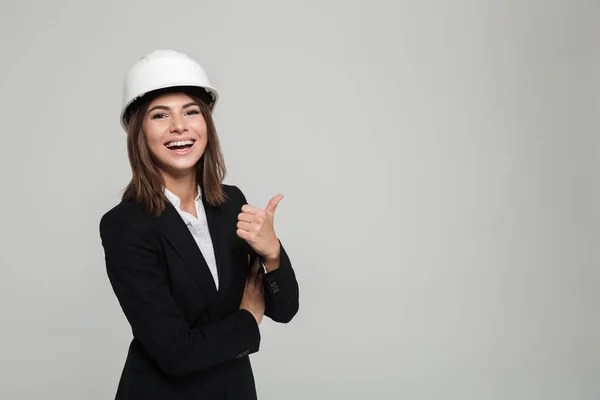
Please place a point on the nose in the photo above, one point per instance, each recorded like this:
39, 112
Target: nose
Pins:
178, 125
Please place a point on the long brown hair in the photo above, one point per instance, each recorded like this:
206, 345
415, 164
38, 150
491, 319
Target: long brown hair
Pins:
146, 184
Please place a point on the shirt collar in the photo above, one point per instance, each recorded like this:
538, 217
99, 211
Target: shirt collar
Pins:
175, 200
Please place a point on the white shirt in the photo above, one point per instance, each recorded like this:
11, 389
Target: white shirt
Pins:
199, 229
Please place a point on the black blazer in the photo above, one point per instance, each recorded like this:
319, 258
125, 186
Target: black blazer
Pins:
190, 341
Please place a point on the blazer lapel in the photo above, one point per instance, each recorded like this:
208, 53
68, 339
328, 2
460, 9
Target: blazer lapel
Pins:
218, 235
179, 236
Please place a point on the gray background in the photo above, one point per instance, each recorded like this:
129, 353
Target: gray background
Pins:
440, 166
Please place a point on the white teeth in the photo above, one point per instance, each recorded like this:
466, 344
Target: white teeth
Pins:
180, 143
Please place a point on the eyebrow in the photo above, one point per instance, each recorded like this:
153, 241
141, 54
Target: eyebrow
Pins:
159, 107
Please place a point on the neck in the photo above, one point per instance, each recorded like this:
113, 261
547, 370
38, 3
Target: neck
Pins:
184, 187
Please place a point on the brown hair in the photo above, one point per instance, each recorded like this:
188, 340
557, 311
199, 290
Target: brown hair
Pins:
146, 184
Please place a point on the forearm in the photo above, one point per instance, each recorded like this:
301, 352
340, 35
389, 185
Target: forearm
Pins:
208, 345
178, 348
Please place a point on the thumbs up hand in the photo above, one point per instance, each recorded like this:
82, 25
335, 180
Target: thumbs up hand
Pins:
255, 226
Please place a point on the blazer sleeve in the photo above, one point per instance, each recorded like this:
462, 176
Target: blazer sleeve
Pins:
281, 291
140, 282
281, 285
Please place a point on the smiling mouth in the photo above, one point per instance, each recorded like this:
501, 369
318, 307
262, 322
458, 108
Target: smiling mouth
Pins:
179, 144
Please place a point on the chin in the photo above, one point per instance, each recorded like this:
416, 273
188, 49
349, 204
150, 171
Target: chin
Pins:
183, 167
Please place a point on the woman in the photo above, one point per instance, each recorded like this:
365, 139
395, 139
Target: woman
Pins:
193, 266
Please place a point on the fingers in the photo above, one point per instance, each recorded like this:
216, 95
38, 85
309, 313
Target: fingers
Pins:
247, 236
246, 208
247, 217
251, 222
259, 281
258, 285
248, 230
254, 291
259, 217
261, 290
247, 226
255, 267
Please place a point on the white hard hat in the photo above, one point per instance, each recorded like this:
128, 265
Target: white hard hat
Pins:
163, 69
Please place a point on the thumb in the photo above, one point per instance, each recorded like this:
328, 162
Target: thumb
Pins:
273, 203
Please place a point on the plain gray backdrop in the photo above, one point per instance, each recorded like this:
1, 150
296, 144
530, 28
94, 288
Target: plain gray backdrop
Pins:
440, 165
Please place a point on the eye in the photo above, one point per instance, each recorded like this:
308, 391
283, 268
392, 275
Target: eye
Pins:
159, 115
193, 112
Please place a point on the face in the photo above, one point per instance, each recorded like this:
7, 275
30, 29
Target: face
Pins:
176, 133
